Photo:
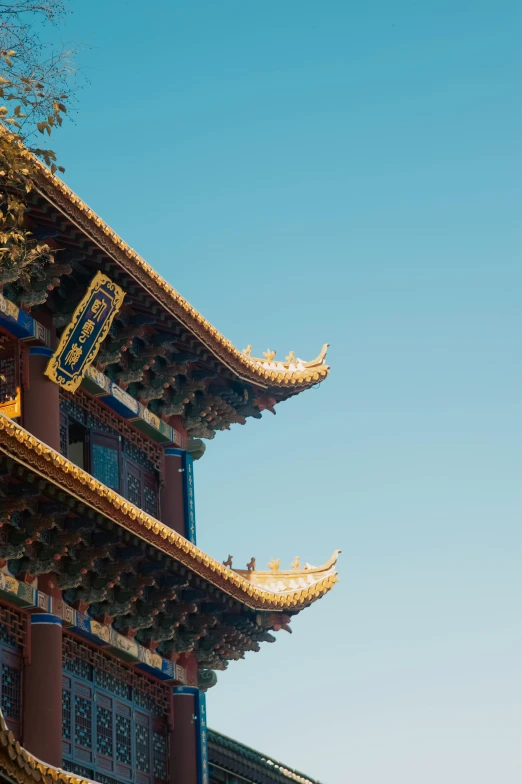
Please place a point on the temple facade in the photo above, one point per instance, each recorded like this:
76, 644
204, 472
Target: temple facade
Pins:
114, 623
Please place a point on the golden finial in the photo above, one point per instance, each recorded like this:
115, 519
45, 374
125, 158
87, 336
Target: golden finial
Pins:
269, 355
247, 351
274, 564
296, 564
251, 565
228, 562
291, 357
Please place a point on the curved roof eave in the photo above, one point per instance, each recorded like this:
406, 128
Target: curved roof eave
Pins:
292, 375
299, 590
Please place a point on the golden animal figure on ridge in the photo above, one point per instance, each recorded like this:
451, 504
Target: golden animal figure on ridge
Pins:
296, 564
228, 562
269, 355
247, 351
274, 564
290, 357
251, 565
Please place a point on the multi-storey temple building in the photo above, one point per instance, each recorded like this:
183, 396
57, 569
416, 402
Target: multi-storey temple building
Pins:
113, 622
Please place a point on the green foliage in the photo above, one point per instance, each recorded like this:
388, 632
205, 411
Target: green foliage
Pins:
34, 91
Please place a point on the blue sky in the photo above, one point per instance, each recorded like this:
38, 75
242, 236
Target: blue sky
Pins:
344, 172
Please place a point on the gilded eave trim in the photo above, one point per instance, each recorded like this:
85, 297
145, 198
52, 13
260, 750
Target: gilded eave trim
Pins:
37, 457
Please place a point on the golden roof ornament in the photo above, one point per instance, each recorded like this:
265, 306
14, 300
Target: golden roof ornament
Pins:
274, 564
251, 565
228, 562
298, 578
292, 364
248, 350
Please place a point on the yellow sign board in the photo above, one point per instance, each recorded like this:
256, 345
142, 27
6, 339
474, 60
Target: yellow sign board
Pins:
83, 336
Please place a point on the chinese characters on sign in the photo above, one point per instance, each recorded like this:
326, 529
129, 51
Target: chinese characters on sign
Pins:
84, 335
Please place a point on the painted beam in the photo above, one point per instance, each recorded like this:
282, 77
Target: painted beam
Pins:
30, 598
128, 407
20, 324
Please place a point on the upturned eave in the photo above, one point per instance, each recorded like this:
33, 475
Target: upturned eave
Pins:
297, 591
284, 377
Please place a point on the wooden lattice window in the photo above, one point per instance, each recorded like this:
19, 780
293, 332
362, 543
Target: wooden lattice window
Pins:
13, 627
140, 487
83, 406
106, 459
11, 689
64, 434
111, 458
114, 720
12, 642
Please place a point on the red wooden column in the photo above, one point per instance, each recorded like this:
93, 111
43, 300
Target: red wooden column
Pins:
172, 494
42, 730
183, 741
41, 402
